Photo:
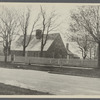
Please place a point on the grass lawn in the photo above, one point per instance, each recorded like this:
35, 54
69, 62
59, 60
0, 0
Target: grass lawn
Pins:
13, 90
94, 72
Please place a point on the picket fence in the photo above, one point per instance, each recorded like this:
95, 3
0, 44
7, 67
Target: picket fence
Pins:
53, 61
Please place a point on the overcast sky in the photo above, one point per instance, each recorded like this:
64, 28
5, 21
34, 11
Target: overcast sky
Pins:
62, 9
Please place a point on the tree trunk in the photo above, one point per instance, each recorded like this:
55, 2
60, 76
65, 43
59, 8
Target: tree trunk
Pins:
24, 45
41, 53
42, 46
5, 54
99, 55
24, 49
5, 58
9, 50
90, 53
84, 57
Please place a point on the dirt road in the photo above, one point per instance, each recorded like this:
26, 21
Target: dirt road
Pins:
53, 83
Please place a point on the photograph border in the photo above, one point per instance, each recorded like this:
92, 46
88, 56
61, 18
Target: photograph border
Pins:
8, 97
53, 1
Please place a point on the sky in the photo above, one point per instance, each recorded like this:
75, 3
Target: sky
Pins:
62, 10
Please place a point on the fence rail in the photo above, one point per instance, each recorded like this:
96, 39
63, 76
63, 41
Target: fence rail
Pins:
52, 61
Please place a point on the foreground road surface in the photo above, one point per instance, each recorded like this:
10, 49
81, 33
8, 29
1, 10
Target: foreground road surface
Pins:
52, 83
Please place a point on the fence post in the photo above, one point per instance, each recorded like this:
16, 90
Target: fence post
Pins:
12, 58
50, 60
59, 62
67, 61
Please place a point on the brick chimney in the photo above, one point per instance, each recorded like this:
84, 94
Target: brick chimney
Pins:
38, 34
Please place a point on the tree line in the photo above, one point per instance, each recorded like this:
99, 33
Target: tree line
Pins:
86, 22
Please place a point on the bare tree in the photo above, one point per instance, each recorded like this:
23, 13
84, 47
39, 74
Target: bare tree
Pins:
85, 44
24, 20
92, 50
48, 25
8, 28
88, 18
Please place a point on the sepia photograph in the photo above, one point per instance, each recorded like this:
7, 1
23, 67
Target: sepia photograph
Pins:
49, 49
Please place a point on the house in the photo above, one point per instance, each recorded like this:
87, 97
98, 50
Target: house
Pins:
54, 47
74, 49
77, 53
